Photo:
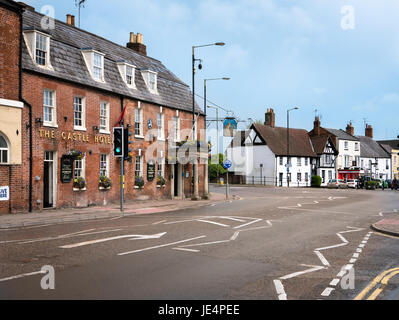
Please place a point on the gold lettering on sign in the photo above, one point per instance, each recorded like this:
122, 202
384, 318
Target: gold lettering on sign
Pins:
47, 134
63, 135
41, 132
52, 134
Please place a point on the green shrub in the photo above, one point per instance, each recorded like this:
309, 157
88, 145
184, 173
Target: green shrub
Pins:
316, 181
371, 185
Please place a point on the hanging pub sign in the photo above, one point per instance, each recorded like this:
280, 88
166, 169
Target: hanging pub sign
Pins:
150, 171
66, 168
229, 127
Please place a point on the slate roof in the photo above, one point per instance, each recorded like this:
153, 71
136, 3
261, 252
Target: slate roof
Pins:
370, 148
11, 5
394, 144
341, 134
276, 140
67, 60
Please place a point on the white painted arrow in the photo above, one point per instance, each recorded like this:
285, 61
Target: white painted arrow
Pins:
131, 236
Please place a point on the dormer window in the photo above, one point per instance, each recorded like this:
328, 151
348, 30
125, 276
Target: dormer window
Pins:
38, 44
95, 63
98, 66
127, 72
150, 79
41, 49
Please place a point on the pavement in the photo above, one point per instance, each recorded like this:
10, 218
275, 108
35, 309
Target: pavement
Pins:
389, 225
131, 207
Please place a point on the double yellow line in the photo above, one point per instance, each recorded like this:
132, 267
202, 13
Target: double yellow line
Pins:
379, 283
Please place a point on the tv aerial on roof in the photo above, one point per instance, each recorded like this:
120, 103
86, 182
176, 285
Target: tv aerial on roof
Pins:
80, 4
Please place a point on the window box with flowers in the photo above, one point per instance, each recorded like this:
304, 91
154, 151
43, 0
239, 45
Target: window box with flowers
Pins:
105, 183
161, 182
139, 183
79, 184
76, 154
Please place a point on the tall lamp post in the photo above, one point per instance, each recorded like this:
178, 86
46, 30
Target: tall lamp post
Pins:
288, 145
217, 141
195, 165
206, 169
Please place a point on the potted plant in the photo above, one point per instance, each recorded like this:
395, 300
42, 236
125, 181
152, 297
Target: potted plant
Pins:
139, 182
79, 183
160, 181
105, 182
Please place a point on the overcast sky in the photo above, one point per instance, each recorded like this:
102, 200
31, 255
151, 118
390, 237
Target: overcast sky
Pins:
278, 53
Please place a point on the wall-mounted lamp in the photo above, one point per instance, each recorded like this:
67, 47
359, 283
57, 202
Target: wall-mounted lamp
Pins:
95, 128
38, 120
65, 119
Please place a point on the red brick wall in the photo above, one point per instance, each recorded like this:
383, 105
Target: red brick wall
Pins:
33, 86
9, 54
9, 89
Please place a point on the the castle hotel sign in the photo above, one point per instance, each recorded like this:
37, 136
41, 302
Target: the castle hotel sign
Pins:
74, 136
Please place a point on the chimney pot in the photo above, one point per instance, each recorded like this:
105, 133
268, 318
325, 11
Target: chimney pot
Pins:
270, 118
70, 20
369, 131
316, 125
136, 43
350, 129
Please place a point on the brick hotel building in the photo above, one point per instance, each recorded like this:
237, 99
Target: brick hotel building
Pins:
62, 90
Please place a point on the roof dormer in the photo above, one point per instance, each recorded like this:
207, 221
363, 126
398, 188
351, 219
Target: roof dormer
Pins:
95, 63
38, 44
127, 72
150, 79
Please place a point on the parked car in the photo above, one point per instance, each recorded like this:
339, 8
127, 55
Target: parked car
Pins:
389, 182
352, 183
337, 184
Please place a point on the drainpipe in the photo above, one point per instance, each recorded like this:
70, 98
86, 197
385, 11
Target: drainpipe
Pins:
30, 113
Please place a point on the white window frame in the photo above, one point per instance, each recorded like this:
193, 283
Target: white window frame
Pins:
346, 145
356, 146
105, 117
106, 162
176, 129
161, 126
53, 108
89, 58
81, 127
161, 163
7, 149
82, 169
123, 70
281, 161
140, 158
347, 161
147, 74
138, 113
299, 162
31, 39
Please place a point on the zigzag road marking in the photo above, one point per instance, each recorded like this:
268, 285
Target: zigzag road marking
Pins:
299, 205
325, 264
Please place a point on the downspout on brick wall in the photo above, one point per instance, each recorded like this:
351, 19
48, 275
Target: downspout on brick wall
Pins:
30, 112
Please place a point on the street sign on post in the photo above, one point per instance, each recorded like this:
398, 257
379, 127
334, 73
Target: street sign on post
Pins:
227, 164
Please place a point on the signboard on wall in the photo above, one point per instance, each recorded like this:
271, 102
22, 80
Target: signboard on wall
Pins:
229, 127
151, 171
4, 193
66, 168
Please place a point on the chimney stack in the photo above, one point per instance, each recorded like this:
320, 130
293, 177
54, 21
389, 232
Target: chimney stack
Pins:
136, 43
316, 125
70, 20
350, 129
369, 131
270, 118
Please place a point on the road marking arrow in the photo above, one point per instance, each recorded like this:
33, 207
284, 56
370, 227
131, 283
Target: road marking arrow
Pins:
131, 236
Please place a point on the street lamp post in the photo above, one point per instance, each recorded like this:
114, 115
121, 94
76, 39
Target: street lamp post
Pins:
217, 141
288, 145
206, 169
195, 165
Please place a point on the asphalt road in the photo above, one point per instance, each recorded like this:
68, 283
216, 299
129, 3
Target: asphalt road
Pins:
270, 244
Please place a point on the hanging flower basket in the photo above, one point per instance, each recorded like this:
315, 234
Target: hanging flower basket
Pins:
139, 182
161, 181
105, 182
79, 183
76, 154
